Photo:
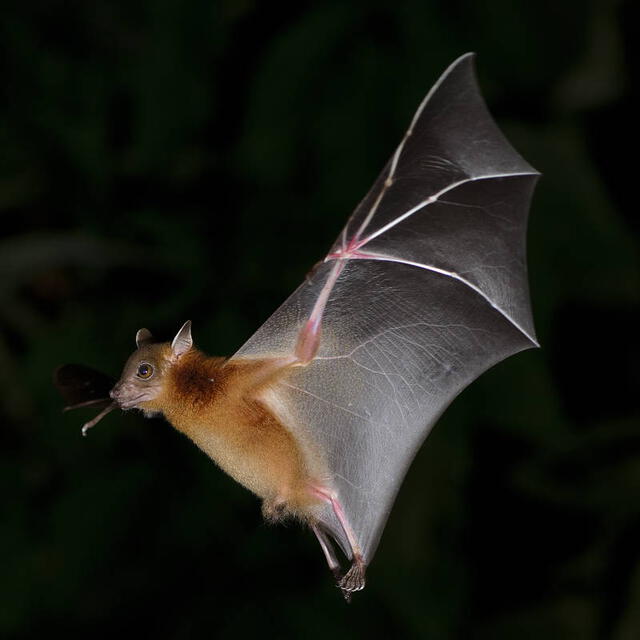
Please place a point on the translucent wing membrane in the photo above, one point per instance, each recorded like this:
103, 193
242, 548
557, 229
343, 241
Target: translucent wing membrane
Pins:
425, 288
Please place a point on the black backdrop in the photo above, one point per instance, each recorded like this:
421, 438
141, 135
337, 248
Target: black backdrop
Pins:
170, 160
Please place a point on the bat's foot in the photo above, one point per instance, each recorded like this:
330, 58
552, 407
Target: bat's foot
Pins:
354, 579
329, 552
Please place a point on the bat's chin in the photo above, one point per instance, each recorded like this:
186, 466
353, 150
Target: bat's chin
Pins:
129, 404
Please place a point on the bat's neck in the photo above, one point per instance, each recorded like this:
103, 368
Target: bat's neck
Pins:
192, 386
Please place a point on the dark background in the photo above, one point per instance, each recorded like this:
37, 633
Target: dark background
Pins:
168, 160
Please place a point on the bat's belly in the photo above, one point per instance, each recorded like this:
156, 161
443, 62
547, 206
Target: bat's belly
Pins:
257, 451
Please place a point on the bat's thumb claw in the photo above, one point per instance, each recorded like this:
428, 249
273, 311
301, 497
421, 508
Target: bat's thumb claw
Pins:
312, 271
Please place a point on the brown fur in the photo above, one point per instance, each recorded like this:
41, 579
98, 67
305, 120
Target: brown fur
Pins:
196, 379
216, 404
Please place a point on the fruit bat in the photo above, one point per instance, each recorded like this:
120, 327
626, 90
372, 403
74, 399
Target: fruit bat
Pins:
322, 411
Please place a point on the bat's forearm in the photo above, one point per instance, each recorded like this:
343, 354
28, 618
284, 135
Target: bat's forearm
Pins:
262, 373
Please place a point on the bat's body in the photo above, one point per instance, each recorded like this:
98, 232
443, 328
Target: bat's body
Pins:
229, 408
322, 410
217, 404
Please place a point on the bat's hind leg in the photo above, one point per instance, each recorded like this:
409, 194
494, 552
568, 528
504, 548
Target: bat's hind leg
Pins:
329, 552
354, 579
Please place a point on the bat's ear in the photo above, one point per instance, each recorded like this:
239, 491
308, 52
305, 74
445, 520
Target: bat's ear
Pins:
143, 337
183, 340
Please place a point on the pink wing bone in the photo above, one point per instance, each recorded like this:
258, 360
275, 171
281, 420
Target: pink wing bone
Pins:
309, 339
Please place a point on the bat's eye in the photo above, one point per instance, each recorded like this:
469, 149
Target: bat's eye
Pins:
145, 370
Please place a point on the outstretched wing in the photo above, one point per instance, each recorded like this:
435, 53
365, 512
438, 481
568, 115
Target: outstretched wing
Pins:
425, 289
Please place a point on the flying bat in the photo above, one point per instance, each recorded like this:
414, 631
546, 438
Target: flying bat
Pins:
322, 411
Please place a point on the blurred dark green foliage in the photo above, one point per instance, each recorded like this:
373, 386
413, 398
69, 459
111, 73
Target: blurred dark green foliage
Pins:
169, 160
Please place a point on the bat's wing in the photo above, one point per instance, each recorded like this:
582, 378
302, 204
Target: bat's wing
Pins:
425, 288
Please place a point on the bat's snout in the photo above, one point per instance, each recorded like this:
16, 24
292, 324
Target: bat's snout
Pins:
116, 393
128, 396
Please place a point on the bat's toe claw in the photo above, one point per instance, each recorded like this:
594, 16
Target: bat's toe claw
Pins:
354, 579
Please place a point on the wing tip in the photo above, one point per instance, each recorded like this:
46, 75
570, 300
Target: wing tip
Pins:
466, 60
469, 56
529, 335
466, 66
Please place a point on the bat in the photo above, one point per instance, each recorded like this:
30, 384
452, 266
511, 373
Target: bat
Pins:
322, 411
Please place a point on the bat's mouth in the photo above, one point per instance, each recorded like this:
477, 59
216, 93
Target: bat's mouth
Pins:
130, 403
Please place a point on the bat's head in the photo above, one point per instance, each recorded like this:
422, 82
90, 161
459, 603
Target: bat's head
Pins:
144, 373
139, 386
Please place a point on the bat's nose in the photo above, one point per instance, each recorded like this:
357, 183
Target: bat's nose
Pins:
115, 392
